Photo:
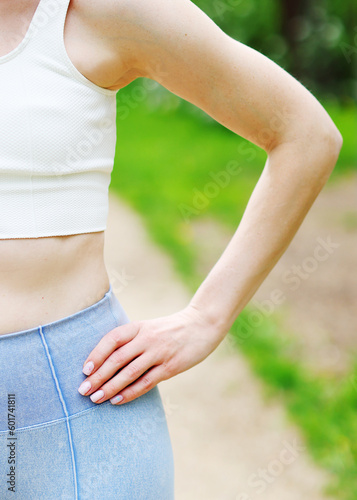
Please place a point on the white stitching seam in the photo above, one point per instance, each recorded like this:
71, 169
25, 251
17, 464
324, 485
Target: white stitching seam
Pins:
64, 409
58, 420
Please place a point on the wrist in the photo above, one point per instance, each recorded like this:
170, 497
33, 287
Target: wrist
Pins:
211, 318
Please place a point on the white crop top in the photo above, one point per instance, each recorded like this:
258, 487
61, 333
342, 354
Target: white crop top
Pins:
58, 136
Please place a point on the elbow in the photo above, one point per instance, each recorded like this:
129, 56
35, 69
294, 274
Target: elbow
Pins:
337, 141
333, 137
323, 151
324, 140
314, 150
330, 145
316, 141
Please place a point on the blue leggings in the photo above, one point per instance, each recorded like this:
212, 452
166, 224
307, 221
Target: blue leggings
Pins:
56, 444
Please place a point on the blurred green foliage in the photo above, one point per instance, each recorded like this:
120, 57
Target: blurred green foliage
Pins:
166, 152
167, 148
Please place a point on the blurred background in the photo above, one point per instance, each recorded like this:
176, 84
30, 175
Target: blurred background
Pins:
171, 168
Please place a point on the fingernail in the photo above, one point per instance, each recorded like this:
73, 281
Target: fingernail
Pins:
84, 387
97, 395
87, 370
116, 399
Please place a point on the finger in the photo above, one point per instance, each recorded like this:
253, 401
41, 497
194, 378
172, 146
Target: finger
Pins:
117, 360
125, 377
144, 384
109, 343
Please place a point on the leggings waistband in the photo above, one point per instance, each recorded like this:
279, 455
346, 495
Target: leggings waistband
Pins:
42, 366
107, 301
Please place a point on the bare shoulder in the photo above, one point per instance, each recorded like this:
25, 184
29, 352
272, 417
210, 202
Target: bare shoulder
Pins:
108, 15
175, 43
114, 20
138, 32
101, 40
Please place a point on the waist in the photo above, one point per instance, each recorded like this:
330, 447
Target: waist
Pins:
42, 366
45, 279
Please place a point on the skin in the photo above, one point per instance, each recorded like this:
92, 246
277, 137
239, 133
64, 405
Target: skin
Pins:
45, 279
173, 42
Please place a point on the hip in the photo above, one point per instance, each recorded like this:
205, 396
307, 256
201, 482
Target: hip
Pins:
64, 445
42, 366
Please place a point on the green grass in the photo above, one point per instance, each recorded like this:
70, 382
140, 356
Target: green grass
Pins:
164, 165
323, 408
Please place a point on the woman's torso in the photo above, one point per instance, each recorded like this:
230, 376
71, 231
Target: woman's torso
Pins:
48, 278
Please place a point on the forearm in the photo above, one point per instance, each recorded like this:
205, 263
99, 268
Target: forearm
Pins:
293, 176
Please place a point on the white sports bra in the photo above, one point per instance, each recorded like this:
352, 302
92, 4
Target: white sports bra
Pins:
58, 136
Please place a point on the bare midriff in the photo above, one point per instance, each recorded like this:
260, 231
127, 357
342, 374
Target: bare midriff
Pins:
49, 278
46, 279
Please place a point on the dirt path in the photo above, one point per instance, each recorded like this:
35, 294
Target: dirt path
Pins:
315, 278
229, 444
317, 275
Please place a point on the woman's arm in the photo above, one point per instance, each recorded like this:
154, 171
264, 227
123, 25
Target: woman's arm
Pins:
186, 52
176, 44
283, 195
